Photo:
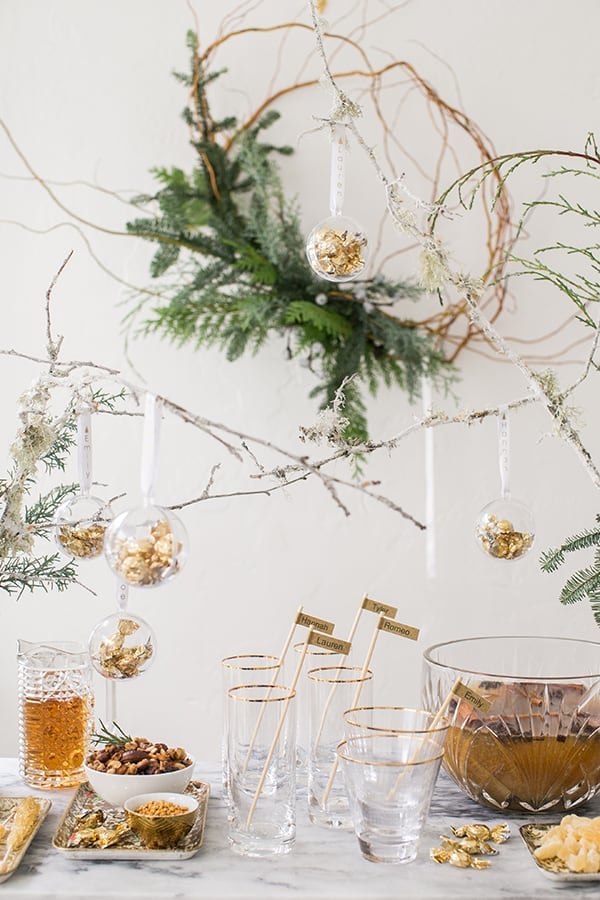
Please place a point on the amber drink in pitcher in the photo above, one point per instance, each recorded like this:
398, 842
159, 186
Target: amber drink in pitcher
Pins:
55, 712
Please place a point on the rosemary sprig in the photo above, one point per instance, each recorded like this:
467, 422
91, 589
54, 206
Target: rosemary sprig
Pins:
104, 736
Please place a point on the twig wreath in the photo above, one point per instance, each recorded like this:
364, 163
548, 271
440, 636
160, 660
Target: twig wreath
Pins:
231, 267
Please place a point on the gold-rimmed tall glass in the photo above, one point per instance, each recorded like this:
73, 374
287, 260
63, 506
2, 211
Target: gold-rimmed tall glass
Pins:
261, 758
313, 657
332, 689
244, 668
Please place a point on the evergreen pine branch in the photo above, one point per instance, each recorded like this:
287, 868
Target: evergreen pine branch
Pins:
595, 604
584, 583
317, 320
58, 453
552, 559
251, 262
56, 456
107, 401
20, 573
44, 509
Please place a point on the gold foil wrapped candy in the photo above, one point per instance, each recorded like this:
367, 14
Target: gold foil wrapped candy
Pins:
113, 655
468, 844
497, 833
337, 249
146, 547
505, 529
98, 836
148, 560
457, 856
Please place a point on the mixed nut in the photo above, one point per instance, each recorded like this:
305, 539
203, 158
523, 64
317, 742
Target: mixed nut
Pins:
138, 757
161, 808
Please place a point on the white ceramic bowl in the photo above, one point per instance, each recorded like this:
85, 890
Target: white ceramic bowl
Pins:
116, 789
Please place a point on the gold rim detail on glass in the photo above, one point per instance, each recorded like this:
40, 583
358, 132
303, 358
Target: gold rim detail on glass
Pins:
288, 695
506, 637
227, 660
376, 762
312, 674
315, 651
385, 730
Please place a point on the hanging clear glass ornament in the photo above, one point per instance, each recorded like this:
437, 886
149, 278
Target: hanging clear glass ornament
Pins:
148, 545
337, 246
505, 528
82, 520
122, 645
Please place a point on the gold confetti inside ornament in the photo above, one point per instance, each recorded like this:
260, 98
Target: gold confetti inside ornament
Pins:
337, 247
122, 646
505, 528
81, 526
146, 546
82, 520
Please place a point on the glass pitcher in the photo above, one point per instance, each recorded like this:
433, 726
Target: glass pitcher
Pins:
55, 712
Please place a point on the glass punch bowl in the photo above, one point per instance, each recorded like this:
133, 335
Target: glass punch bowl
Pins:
537, 747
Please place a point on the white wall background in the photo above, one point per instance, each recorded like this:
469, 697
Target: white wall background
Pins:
88, 95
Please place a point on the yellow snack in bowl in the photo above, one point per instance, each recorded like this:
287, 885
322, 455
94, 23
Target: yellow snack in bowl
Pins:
576, 842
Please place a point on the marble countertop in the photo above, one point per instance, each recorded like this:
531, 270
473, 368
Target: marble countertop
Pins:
323, 864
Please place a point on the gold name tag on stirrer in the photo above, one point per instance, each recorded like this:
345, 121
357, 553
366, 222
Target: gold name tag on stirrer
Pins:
472, 697
393, 627
379, 608
336, 645
319, 624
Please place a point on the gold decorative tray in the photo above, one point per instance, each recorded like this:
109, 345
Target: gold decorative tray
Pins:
129, 846
7, 808
554, 868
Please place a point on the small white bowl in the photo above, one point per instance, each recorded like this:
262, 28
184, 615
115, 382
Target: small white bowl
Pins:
116, 789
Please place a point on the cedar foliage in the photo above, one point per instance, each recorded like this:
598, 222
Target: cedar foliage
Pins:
232, 270
25, 571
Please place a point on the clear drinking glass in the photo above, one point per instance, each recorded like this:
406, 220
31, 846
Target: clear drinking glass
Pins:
332, 690
245, 668
314, 656
55, 712
389, 779
363, 720
261, 760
